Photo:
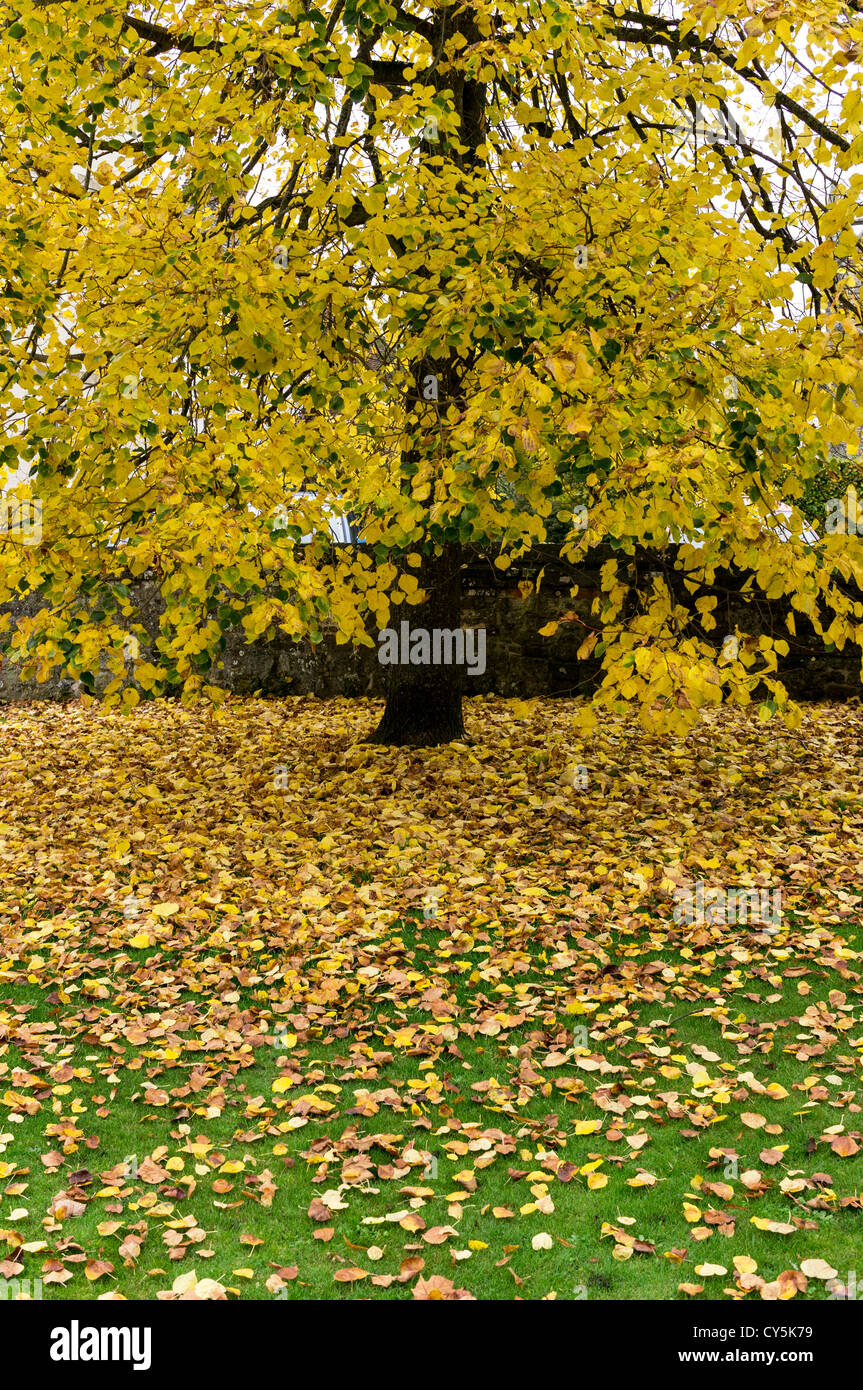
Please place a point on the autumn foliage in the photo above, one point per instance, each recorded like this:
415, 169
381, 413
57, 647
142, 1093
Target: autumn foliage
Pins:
239, 246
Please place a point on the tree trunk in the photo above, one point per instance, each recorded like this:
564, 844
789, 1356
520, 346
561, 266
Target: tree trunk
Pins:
424, 702
423, 705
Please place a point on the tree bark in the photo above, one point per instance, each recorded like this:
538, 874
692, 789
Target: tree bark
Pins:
423, 703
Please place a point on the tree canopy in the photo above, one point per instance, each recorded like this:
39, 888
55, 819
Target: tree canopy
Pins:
454, 269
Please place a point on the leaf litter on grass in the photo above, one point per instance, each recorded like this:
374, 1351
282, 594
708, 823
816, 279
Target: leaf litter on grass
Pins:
332, 1090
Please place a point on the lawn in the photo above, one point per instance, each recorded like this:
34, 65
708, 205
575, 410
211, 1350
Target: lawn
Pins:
239, 1058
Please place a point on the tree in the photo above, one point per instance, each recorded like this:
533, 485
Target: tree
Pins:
453, 268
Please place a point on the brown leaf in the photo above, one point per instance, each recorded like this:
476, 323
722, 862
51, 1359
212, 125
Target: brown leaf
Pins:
436, 1235
844, 1145
409, 1267
62, 1207
439, 1289
151, 1173
319, 1212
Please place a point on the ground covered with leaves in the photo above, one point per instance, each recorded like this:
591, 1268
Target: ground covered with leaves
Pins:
236, 1059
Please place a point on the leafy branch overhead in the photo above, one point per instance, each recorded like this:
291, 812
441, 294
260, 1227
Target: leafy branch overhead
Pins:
236, 243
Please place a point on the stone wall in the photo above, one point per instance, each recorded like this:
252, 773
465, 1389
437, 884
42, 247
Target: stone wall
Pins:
519, 662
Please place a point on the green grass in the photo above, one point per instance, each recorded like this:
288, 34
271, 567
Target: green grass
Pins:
579, 1264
